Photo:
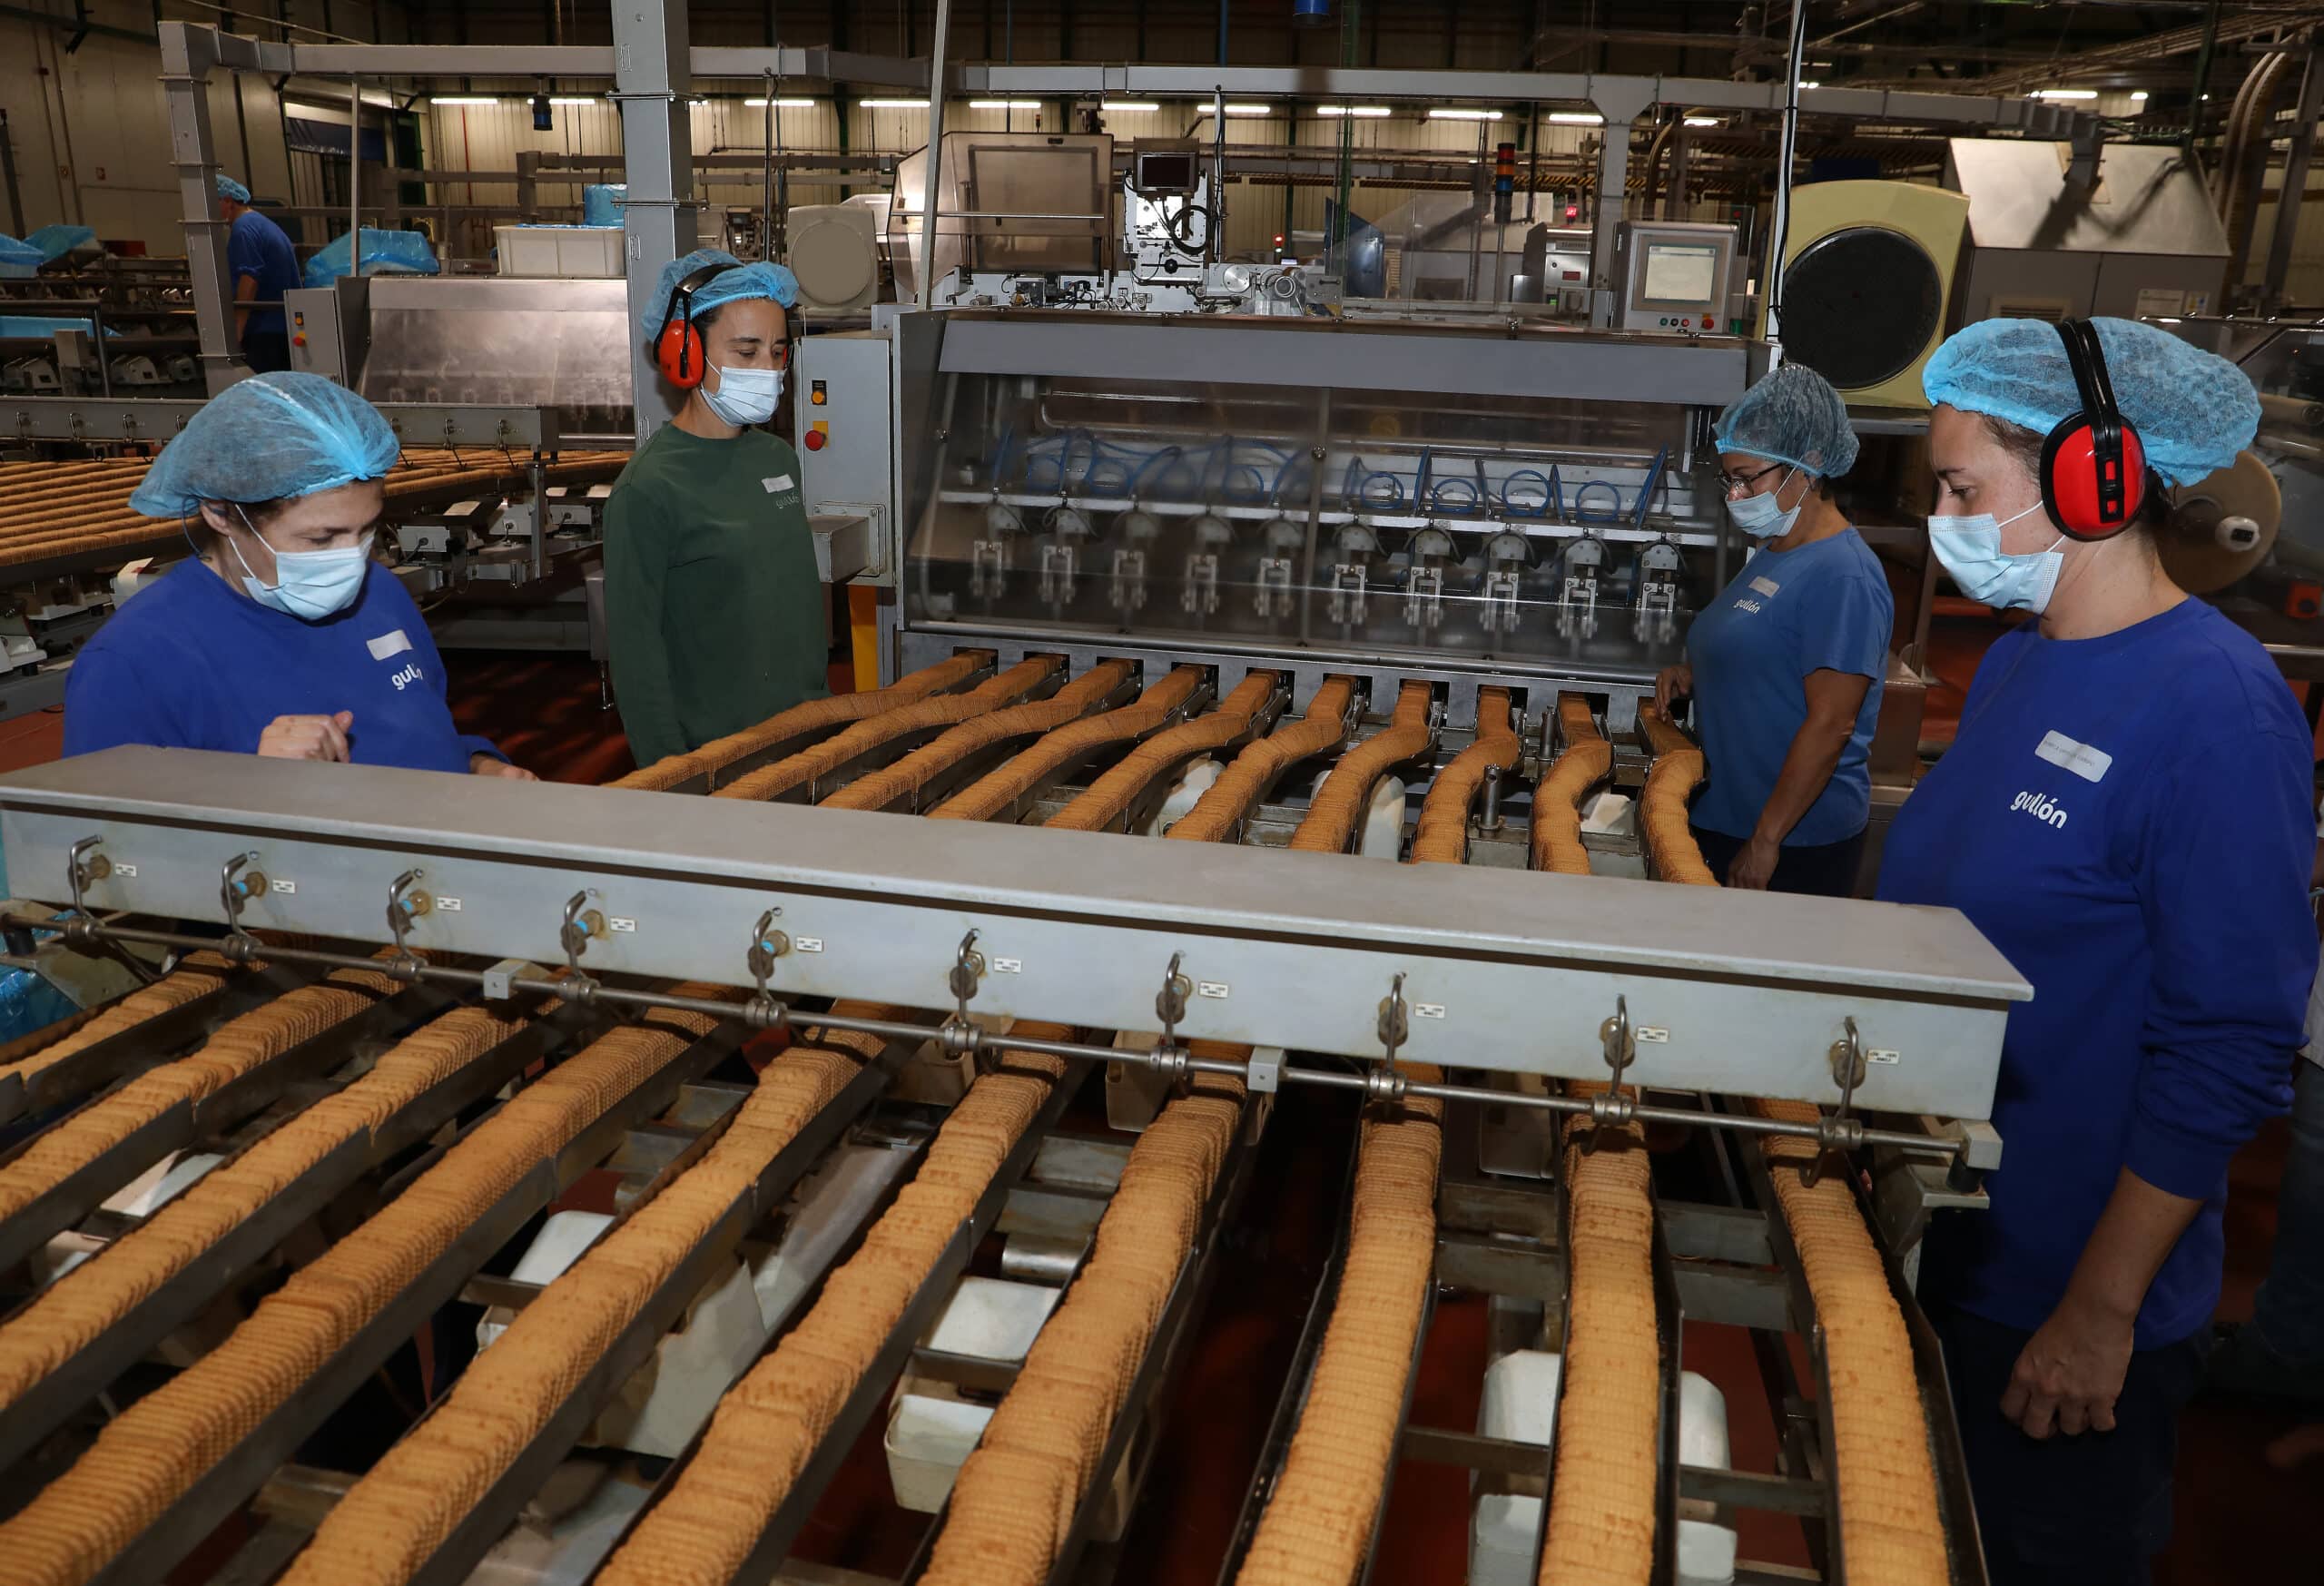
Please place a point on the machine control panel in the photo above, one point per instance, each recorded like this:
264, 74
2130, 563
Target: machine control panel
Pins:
1674, 275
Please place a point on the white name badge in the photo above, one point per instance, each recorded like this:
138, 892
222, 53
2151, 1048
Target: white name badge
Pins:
2085, 762
778, 484
386, 644
1766, 586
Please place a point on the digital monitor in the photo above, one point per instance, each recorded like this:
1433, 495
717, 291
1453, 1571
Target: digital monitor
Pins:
1171, 173
1679, 273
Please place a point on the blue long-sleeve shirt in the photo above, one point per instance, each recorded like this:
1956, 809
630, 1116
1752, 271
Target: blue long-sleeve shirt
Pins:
2127, 818
190, 663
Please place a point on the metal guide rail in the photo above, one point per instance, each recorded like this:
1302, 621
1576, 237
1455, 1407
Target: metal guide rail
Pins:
152, 420
1729, 992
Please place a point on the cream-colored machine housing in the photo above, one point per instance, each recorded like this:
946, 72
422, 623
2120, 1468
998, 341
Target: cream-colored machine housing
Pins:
1868, 275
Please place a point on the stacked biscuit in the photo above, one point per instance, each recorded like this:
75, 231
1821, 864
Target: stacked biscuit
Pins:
1111, 796
943, 710
887, 786
1319, 1519
239, 1046
1336, 812
1014, 1502
1890, 1529
150, 1455
64, 1317
769, 1423
837, 710
1441, 836
1579, 766
1678, 771
1220, 812
1603, 1484
399, 1514
1003, 785
197, 975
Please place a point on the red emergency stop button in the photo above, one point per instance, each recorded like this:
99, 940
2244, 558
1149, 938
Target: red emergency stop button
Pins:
299, 340
816, 439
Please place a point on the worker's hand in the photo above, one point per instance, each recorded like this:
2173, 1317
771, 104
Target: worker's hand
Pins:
2071, 1371
306, 737
1755, 867
1673, 682
484, 764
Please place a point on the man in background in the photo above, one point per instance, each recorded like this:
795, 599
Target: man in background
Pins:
263, 265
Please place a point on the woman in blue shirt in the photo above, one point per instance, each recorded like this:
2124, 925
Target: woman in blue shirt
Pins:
2125, 814
1784, 666
282, 637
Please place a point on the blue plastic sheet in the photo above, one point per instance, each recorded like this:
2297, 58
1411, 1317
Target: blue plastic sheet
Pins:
43, 326
19, 259
601, 203
384, 253
28, 1003
55, 241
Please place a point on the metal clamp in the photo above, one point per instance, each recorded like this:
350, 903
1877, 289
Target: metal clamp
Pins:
235, 890
83, 870
1490, 820
406, 904
960, 1036
1395, 1019
1843, 1131
581, 924
1169, 1007
1621, 1038
765, 1011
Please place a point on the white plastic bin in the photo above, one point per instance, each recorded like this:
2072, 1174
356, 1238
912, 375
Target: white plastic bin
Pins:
560, 252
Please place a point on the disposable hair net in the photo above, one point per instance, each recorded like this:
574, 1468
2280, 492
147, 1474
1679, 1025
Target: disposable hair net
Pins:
2194, 410
267, 439
772, 283
1792, 416
230, 188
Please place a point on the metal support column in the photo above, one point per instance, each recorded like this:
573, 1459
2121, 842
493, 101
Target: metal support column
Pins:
932, 190
652, 79
187, 55
1622, 100
2294, 185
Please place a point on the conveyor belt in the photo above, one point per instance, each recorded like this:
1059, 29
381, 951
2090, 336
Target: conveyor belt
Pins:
1580, 764
1219, 813
893, 784
806, 770
788, 730
1336, 812
202, 975
1065, 749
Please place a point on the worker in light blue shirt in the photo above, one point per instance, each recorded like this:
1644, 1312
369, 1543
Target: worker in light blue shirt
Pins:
1784, 664
263, 266
280, 638
2126, 814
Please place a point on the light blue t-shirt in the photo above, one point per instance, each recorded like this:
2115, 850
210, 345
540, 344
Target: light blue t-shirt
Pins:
1823, 606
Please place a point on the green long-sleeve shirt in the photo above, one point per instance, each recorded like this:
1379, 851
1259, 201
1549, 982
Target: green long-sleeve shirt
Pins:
714, 614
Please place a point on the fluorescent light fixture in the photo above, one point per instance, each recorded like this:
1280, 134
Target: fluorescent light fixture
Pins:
1702, 121
780, 104
2139, 97
2065, 93
1464, 115
557, 100
1578, 118
1127, 104
1811, 85
892, 103
1204, 110
462, 100
1004, 104
1371, 112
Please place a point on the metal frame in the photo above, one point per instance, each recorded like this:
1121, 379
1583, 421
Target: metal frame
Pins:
1504, 970
153, 420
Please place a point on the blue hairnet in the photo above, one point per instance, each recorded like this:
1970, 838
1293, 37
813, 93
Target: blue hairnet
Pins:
230, 188
1792, 416
267, 439
2194, 410
739, 284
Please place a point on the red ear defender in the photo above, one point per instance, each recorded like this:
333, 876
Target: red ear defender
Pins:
2094, 468
678, 347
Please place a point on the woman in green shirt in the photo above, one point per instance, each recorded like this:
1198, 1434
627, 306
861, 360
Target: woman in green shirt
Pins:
714, 612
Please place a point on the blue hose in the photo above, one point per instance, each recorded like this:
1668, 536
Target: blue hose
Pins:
1585, 514
1364, 491
1436, 492
1226, 483
1646, 491
1541, 508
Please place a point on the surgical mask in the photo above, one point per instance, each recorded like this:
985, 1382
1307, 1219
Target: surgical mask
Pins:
308, 585
745, 397
1761, 516
1969, 548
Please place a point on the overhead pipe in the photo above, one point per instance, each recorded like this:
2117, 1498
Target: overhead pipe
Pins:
2247, 160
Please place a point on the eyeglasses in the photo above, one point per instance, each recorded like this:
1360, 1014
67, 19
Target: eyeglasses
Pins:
1734, 483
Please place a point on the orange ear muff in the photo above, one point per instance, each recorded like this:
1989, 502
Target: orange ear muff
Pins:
2093, 466
677, 348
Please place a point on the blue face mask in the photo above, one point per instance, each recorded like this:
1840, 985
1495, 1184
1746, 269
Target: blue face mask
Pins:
1761, 518
1969, 548
308, 585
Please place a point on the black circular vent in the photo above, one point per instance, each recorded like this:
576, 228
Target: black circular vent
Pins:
1859, 305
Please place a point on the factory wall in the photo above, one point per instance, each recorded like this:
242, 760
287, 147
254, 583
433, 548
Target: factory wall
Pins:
89, 130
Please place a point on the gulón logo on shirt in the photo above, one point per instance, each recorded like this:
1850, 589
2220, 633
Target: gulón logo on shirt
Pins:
2041, 808
409, 675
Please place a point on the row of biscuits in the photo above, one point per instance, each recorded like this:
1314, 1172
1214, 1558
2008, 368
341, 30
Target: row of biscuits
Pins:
769, 1423
832, 712
1108, 798
197, 975
1441, 836
151, 1454
396, 1517
1013, 1504
1319, 1518
235, 1048
1581, 764
892, 784
1218, 814
66, 1317
1336, 812
1671, 784
1001, 787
